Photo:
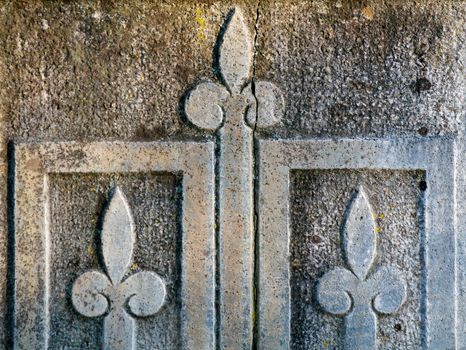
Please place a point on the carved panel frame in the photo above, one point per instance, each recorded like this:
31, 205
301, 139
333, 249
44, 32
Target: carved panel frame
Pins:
35, 161
278, 157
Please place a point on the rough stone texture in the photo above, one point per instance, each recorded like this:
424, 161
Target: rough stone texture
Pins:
76, 206
366, 68
93, 70
88, 70
319, 201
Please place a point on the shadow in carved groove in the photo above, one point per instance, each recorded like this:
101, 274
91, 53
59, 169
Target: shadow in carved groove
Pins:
95, 293
358, 293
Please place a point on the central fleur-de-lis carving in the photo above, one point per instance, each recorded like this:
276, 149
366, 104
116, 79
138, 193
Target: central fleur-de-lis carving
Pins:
261, 100
235, 110
359, 294
95, 293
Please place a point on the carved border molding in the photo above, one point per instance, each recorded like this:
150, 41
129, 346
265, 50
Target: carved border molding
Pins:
194, 162
278, 157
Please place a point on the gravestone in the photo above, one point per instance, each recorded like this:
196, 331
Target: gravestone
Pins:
233, 175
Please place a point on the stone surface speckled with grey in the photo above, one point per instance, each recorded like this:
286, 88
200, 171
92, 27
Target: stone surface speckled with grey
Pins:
236, 109
435, 156
76, 207
37, 163
366, 68
319, 201
380, 71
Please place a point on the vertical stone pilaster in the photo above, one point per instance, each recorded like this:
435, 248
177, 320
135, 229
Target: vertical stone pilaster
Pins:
234, 110
236, 224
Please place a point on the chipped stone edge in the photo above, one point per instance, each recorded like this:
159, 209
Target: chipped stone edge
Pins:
433, 155
35, 161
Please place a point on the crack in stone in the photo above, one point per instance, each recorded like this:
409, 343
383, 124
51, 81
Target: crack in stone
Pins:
253, 85
255, 273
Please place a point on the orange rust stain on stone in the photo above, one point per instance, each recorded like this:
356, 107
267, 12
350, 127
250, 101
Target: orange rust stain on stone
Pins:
368, 13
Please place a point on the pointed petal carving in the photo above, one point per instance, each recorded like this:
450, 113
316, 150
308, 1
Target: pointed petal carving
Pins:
94, 294
359, 240
146, 292
333, 291
87, 294
203, 106
236, 53
389, 289
117, 237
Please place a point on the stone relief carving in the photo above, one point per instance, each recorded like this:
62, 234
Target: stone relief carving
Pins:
118, 295
95, 293
279, 157
234, 110
356, 293
260, 102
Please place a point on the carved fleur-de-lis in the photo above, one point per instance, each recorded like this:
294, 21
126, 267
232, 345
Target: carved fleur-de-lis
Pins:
359, 294
261, 101
95, 293
235, 109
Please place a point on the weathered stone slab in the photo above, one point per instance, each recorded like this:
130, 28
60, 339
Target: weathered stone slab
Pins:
367, 69
235, 110
76, 203
362, 105
319, 200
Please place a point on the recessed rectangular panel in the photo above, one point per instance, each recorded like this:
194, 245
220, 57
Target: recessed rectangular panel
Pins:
77, 202
318, 202
374, 278
114, 245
